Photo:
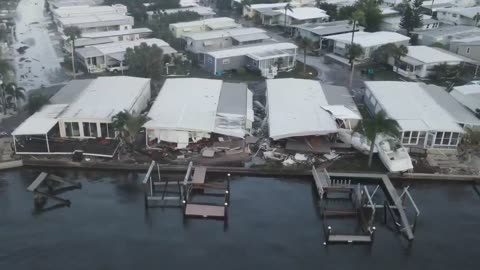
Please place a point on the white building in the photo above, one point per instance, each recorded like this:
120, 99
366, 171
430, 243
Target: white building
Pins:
468, 96
420, 60
296, 16
213, 40
98, 58
267, 58
59, 4
190, 109
318, 32
393, 23
179, 29
83, 109
97, 38
369, 42
204, 12
299, 108
97, 23
251, 10
86, 11
422, 119
459, 15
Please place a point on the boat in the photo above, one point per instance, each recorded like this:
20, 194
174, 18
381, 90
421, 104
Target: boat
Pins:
394, 156
357, 140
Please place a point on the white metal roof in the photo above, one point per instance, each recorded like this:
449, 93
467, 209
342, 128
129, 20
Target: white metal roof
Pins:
202, 11
95, 18
342, 112
106, 96
83, 11
429, 55
366, 39
468, 12
295, 109
213, 21
272, 5
124, 45
468, 95
188, 104
223, 33
305, 13
244, 50
117, 33
42, 121
410, 104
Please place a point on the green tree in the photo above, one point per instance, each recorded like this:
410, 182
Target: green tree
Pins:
373, 14
73, 32
223, 4
353, 52
345, 13
476, 18
305, 44
447, 75
145, 61
380, 123
397, 52
128, 126
5, 66
15, 93
287, 7
36, 102
407, 21
330, 9
417, 13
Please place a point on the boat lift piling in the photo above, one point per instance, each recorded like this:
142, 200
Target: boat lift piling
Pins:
159, 190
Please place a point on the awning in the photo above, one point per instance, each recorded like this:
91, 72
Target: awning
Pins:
341, 112
41, 122
251, 37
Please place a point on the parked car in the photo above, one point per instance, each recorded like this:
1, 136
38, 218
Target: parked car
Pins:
117, 68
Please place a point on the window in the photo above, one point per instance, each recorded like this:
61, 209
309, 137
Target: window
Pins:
90, 129
111, 131
454, 140
447, 138
107, 130
468, 50
406, 137
72, 129
226, 61
438, 138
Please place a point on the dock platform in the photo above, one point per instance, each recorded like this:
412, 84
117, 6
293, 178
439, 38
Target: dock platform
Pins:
205, 211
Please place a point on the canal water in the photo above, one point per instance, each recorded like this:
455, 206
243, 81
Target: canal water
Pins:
273, 224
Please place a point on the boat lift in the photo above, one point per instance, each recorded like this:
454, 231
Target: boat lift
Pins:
161, 192
48, 186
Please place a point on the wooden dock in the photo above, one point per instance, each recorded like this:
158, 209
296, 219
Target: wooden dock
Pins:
205, 211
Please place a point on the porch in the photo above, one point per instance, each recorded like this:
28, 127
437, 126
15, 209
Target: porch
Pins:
269, 63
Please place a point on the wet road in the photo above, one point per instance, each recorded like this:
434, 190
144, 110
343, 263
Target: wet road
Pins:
38, 64
273, 225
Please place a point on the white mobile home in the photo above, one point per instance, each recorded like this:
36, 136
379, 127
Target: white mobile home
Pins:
98, 58
190, 109
423, 121
97, 38
97, 23
179, 29
318, 32
369, 42
83, 109
204, 12
213, 40
459, 15
420, 60
86, 11
268, 58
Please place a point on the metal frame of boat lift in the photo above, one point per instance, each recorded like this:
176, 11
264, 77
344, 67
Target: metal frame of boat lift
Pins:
51, 192
160, 191
394, 207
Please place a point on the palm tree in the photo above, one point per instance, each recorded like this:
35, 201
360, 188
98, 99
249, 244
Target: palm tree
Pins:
73, 32
397, 52
476, 18
16, 93
380, 123
287, 7
128, 126
305, 43
358, 17
5, 66
3, 98
354, 51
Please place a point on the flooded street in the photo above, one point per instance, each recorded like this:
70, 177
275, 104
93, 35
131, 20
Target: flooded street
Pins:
36, 62
273, 224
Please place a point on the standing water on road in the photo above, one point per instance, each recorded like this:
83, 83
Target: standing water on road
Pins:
273, 224
36, 62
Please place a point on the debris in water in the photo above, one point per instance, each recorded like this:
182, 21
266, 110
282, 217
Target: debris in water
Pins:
22, 49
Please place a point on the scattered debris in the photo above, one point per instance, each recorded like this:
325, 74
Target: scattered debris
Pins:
22, 49
208, 152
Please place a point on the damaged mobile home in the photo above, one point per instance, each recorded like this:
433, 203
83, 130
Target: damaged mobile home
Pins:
188, 110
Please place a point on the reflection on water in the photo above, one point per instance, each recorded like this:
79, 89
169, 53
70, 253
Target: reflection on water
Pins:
273, 224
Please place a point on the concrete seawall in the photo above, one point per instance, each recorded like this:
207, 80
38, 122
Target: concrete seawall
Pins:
276, 172
11, 164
